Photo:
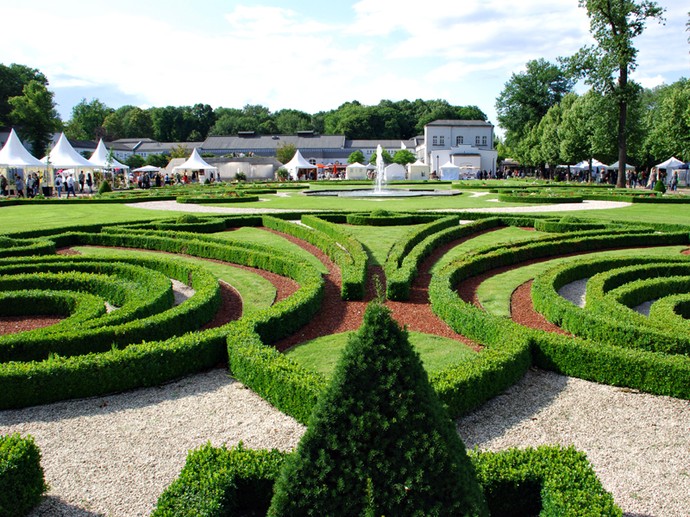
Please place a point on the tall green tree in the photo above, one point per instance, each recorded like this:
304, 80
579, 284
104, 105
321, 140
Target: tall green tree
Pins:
356, 157
13, 79
87, 122
668, 121
379, 441
289, 121
404, 156
607, 65
527, 97
35, 116
285, 152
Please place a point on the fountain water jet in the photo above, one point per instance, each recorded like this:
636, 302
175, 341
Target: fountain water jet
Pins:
378, 188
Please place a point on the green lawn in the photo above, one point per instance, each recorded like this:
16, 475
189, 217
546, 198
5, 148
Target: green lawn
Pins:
257, 236
437, 353
494, 294
378, 240
256, 292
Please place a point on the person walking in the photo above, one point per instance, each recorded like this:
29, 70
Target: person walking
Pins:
70, 186
89, 182
81, 181
19, 185
58, 184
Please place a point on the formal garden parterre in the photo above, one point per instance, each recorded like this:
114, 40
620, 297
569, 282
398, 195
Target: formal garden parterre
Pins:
148, 340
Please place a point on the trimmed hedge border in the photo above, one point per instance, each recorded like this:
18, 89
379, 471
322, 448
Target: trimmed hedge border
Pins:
550, 481
22, 483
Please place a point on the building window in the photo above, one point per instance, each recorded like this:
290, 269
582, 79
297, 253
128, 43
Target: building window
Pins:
459, 140
434, 141
476, 140
484, 141
442, 140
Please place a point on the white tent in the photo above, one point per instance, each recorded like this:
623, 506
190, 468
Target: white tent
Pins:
614, 167
63, 156
297, 164
449, 172
99, 159
195, 163
393, 172
671, 163
418, 171
14, 154
356, 171
147, 168
584, 164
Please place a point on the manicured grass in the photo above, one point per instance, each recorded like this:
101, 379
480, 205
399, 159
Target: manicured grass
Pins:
494, 294
258, 236
256, 292
437, 353
378, 240
506, 235
639, 213
27, 217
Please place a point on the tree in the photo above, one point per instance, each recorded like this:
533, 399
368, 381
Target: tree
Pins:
387, 158
356, 157
668, 122
180, 151
285, 152
87, 122
527, 97
135, 161
379, 441
404, 156
289, 121
157, 160
13, 79
606, 66
35, 115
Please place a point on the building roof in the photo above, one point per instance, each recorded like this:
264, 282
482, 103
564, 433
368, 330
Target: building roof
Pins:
460, 123
251, 142
386, 144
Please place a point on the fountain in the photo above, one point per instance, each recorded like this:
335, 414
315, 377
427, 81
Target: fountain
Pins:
378, 190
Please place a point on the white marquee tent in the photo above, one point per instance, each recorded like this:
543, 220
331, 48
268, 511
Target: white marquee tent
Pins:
449, 172
195, 163
99, 159
584, 164
418, 171
356, 171
297, 164
614, 167
15, 155
63, 156
394, 172
671, 163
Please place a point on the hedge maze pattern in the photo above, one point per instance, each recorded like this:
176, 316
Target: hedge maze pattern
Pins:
149, 340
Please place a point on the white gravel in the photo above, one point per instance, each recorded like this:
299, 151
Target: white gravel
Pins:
114, 455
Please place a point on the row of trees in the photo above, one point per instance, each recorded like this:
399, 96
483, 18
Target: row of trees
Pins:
546, 123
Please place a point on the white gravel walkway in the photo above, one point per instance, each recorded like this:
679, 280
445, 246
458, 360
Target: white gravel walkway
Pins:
114, 455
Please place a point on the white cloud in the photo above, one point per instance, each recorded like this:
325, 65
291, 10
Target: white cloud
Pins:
282, 57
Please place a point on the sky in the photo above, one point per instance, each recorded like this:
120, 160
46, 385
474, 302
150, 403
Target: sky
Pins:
306, 54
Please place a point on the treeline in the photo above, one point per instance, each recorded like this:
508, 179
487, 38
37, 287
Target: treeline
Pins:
28, 104
386, 120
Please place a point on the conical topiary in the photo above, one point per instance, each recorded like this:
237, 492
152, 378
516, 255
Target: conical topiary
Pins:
379, 441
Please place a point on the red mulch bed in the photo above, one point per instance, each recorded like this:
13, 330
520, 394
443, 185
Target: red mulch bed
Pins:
522, 311
14, 324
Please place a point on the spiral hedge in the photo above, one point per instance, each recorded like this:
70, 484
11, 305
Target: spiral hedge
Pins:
148, 340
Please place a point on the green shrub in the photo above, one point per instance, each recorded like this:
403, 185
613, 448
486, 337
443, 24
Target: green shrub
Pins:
660, 187
21, 476
104, 187
379, 441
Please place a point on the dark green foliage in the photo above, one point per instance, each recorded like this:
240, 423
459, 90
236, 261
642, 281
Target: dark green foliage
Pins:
659, 187
379, 441
104, 187
217, 482
187, 218
21, 476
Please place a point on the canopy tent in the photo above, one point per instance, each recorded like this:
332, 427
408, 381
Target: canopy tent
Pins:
671, 163
195, 163
418, 171
394, 172
15, 155
99, 159
584, 164
147, 168
356, 171
449, 172
614, 167
63, 156
297, 164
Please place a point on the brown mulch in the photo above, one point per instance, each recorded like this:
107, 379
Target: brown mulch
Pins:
338, 316
230, 307
14, 324
686, 252
522, 311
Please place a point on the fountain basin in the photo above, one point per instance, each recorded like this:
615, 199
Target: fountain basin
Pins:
383, 193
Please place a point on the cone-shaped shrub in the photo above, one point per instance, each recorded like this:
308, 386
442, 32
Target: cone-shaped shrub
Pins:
379, 442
